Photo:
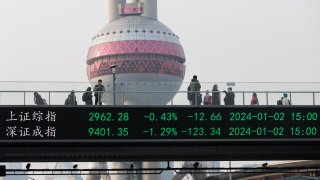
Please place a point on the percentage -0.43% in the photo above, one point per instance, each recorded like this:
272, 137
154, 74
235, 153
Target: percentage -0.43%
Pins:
166, 116
162, 132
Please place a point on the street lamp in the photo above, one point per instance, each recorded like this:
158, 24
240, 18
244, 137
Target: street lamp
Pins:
28, 166
113, 69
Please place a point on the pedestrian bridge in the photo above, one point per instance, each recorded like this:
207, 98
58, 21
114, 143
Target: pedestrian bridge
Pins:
55, 93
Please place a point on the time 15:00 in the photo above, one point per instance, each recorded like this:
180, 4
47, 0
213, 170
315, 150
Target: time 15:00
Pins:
298, 116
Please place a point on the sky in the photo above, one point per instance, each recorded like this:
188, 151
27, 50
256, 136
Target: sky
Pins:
224, 40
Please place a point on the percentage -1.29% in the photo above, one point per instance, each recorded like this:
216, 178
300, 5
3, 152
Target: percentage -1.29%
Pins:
162, 132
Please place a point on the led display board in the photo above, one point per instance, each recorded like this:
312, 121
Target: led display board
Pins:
159, 123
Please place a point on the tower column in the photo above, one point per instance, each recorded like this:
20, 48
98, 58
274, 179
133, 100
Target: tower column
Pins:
150, 9
121, 165
114, 9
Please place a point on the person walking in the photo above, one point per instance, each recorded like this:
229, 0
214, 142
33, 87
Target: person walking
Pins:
229, 98
98, 91
194, 87
71, 100
254, 99
215, 95
87, 97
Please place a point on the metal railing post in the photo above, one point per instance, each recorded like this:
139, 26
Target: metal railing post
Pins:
196, 98
267, 98
122, 98
290, 98
49, 100
314, 100
243, 98
24, 98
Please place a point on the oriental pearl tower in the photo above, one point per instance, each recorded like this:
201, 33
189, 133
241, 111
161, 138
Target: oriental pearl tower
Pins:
149, 60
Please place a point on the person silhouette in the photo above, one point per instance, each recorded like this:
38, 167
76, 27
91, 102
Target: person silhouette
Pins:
98, 92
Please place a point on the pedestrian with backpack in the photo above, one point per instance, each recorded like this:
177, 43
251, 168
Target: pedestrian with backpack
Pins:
71, 100
38, 100
87, 97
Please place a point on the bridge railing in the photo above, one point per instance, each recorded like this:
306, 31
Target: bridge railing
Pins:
55, 93
147, 97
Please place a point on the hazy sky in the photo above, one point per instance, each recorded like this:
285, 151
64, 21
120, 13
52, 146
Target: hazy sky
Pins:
224, 40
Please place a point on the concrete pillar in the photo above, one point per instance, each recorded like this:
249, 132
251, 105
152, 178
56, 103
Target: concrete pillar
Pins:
15, 166
121, 165
151, 176
97, 165
150, 9
189, 164
132, 1
114, 9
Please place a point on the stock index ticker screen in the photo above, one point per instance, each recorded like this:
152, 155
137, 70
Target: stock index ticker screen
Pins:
160, 123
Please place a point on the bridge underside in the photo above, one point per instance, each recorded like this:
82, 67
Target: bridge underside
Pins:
154, 152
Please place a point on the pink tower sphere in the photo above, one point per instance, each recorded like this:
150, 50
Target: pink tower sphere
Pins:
149, 58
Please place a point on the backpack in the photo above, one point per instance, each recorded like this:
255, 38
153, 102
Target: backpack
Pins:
189, 94
279, 102
84, 97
